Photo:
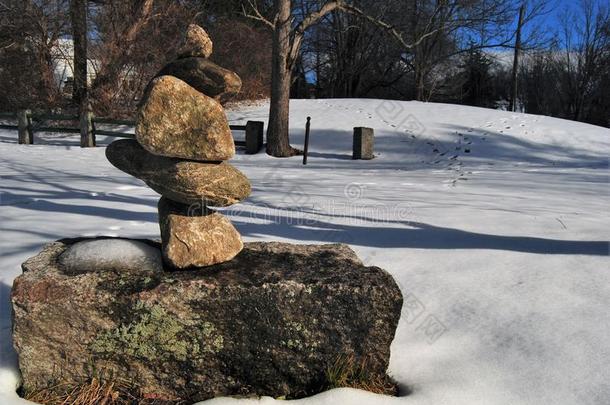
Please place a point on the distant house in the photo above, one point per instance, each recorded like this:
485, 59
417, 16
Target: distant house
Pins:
63, 58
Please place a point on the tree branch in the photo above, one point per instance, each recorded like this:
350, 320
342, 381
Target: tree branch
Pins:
257, 15
315, 16
389, 28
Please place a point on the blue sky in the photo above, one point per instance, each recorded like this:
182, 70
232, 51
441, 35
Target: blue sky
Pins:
556, 8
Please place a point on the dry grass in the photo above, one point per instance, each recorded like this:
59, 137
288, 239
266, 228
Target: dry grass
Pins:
346, 372
95, 392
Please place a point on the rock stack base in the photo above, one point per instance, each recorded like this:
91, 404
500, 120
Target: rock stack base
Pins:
269, 322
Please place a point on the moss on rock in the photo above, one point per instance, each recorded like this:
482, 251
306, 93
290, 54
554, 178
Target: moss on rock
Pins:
269, 322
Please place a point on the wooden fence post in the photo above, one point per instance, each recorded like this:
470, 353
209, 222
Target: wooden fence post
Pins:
87, 131
306, 146
30, 128
24, 123
363, 143
254, 136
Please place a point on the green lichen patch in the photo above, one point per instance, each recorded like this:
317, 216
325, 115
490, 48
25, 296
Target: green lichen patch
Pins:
213, 341
299, 337
156, 334
125, 284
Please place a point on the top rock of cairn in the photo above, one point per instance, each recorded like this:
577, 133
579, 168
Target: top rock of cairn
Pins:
182, 139
179, 115
196, 42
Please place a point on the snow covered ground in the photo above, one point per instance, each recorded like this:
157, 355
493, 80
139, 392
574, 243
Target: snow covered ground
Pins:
494, 224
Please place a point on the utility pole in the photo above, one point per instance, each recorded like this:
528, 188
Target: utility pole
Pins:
513, 87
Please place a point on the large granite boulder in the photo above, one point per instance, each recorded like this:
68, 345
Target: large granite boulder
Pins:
185, 181
195, 235
269, 322
204, 76
176, 120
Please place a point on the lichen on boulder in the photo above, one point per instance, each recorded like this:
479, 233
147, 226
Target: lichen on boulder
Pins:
153, 333
269, 322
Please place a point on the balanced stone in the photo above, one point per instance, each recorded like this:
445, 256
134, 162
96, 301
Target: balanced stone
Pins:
203, 75
184, 181
196, 42
270, 322
111, 254
195, 236
178, 121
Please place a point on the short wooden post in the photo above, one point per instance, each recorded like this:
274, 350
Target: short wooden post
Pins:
363, 143
92, 120
30, 127
24, 127
87, 130
306, 146
254, 136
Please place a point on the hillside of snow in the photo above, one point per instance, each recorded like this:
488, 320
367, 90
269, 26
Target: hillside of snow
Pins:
494, 224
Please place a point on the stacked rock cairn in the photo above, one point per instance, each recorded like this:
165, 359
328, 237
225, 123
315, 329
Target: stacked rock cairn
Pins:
182, 142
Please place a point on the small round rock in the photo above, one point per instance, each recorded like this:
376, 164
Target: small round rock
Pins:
112, 254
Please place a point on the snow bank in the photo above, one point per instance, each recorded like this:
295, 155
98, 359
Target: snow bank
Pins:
493, 223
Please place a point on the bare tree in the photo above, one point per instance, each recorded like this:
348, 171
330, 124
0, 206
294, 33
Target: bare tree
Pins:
571, 78
586, 48
30, 32
287, 39
233, 49
130, 40
433, 24
352, 57
121, 23
78, 17
289, 29
435, 32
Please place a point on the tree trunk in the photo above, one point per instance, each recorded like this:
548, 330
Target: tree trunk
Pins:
278, 143
119, 52
78, 16
513, 85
